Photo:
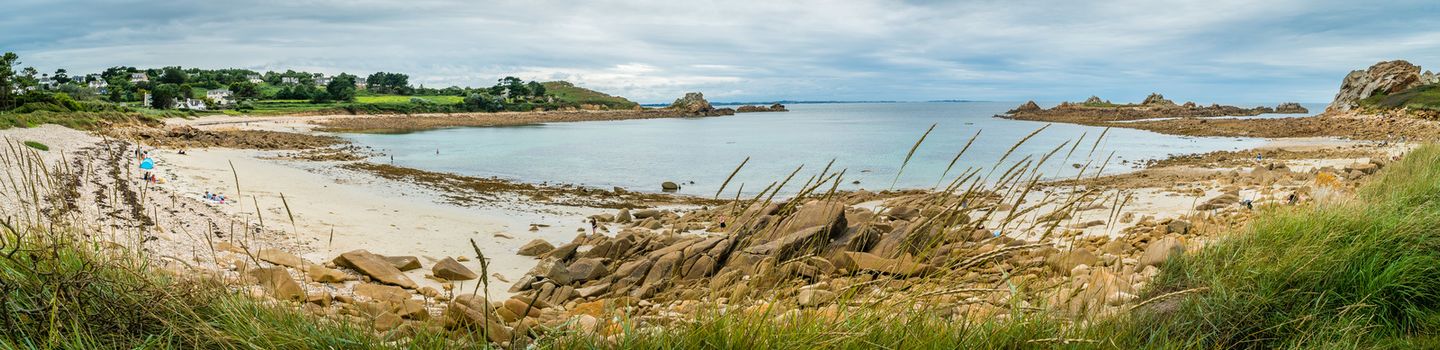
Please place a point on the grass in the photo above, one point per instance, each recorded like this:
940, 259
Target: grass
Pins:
1360, 273
81, 120
37, 145
1426, 97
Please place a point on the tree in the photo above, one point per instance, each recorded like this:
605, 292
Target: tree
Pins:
27, 78
7, 80
187, 91
482, 102
536, 89
341, 88
61, 76
388, 83
245, 90
163, 97
173, 75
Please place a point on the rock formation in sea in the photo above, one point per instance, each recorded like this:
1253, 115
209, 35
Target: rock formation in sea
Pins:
1157, 100
694, 103
1291, 107
1029, 106
751, 108
1382, 78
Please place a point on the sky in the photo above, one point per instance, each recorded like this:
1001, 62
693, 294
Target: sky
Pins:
1225, 51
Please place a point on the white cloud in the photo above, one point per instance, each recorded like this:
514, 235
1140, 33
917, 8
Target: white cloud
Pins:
653, 51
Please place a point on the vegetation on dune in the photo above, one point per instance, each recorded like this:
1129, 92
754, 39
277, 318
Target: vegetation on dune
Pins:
37, 145
567, 92
1424, 97
1363, 272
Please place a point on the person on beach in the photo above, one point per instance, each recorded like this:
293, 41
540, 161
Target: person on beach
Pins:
593, 226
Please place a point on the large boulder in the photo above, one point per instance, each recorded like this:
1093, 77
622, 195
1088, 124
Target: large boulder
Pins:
1160, 251
374, 266
1157, 100
452, 270
277, 283
535, 248
1382, 78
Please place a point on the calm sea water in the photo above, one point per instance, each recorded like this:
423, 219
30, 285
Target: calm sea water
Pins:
868, 140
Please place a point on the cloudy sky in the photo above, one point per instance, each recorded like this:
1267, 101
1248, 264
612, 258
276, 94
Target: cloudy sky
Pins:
1231, 51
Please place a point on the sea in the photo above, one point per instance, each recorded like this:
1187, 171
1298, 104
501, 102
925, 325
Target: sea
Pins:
869, 142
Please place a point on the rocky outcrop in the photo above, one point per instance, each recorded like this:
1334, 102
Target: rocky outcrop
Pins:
772, 108
1029, 106
1291, 107
1381, 78
1157, 100
694, 103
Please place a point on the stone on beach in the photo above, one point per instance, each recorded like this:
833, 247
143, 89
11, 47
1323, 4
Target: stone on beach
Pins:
535, 248
404, 263
452, 270
374, 266
1160, 251
279, 257
277, 283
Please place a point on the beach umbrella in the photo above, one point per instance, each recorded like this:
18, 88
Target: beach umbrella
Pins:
147, 164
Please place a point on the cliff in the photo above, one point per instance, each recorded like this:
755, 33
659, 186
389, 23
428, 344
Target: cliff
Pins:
1386, 86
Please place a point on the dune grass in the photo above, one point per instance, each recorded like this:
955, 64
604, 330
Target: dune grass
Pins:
1359, 273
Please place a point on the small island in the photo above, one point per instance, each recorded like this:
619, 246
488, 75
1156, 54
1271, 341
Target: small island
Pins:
1095, 110
753, 108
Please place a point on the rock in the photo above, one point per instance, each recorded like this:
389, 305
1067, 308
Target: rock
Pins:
1157, 100
452, 270
1160, 251
1067, 261
623, 216
1178, 227
814, 297
279, 257
645, 213
535, 248
1382, 78
898, 267
277, 283
669, 186
321, 299
585, 324
404, 263
411, 309
374, 266
387, 321
475, 311
1029, 106
378, 292
323, 274
694, 103
587, 269
523, 307
592, 291
1291, 108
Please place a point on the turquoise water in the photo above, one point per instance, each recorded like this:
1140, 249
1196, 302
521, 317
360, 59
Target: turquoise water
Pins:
868, 140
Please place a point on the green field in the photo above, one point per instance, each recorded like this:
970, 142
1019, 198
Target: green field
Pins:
566, 92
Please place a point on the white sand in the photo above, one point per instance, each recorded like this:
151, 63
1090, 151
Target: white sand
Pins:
367, 212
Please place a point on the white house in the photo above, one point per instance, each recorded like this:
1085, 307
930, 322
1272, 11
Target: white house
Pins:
289, 80
322, 81
190, 104
360, 83
139, 77
98, 84
254, 78
46, 82
220, 96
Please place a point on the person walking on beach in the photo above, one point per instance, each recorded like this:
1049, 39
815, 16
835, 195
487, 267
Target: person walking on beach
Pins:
594, 226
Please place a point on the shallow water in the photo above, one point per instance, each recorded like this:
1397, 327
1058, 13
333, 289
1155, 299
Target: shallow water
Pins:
868, 140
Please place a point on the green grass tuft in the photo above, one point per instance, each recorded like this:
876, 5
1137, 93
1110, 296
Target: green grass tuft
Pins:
37, 145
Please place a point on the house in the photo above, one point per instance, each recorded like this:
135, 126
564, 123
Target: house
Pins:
190, 104
322, 81
360, 83
46, 82
139, 77
99, 85
254, 78
289, 80
220, 96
